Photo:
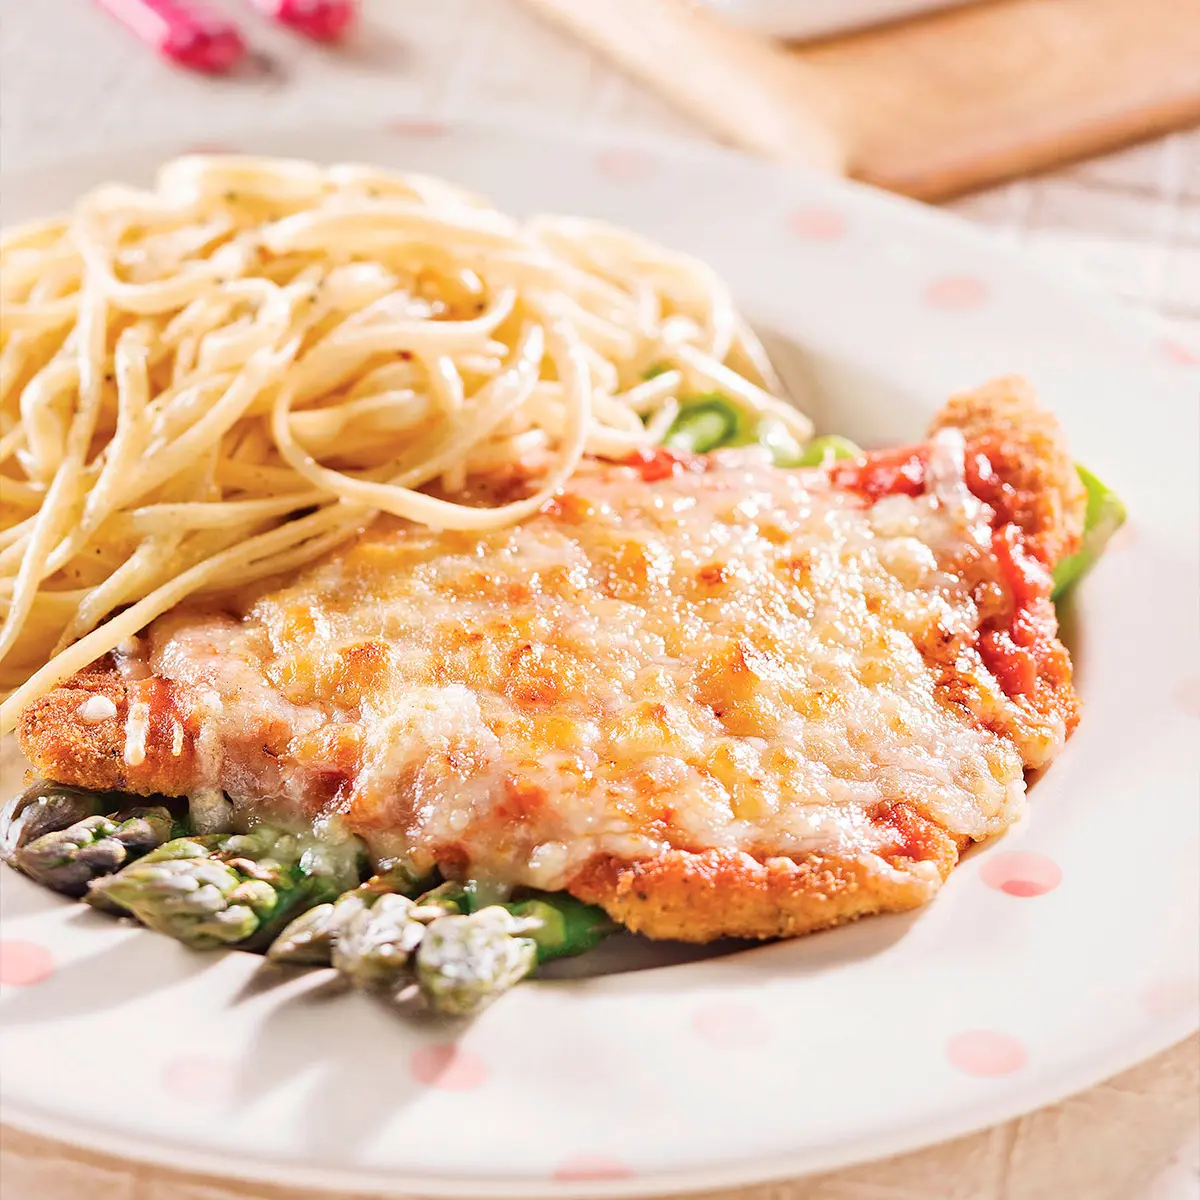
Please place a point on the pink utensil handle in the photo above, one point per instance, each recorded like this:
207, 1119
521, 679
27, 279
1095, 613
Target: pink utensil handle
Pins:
322, 20
184, 32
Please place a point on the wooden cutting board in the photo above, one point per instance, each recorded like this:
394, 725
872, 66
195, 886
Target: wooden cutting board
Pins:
929, 107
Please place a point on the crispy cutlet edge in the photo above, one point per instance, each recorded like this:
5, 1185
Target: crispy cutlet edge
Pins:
1028, 451
698, 897
61, 744
1043, 494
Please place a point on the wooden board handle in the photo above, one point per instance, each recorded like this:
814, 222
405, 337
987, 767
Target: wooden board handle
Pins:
734, 83
929, 107
961, 99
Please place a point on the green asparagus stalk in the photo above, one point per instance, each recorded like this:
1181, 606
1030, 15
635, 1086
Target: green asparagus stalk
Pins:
373, 943
710, 421
47, 808
772, 433
562, 926
466, 961
373, 947
182, 846
185, 890
221, 890
69, 859
462, 949
704, 423
786, 451
459, 896
1105, 515
829, 446
310, 938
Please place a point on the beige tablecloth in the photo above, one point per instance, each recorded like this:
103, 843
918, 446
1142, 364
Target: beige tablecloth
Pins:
1131, 222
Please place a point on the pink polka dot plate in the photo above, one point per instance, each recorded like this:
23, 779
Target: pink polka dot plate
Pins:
1060, 955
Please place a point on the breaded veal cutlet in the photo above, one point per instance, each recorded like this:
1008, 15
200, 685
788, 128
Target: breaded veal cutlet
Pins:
716, 697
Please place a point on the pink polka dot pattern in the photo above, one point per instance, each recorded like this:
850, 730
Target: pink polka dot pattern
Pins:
729, 1023
1183, 355
1019, 873
817, 224
418, 127
199, 1079
1187, 696
448, 1066
986, 1053
581, 1167
23, 964
1172, 996
625, 165
957, 293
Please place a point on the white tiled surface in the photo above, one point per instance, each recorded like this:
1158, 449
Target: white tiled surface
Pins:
72, 81
1130, 221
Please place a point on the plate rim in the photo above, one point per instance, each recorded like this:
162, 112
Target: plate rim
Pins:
375, 1183
604, 135
1129, 326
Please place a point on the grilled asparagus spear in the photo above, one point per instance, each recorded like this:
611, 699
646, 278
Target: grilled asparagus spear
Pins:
69, 859
462, 953
465, 962
374, 948
828, 447
47, 808
220, 890
562, 926
310, 938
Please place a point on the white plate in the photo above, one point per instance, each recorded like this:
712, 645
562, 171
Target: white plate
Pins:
1056, 957
818, 18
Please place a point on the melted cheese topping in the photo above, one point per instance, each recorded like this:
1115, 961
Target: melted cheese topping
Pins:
96, 709
738, 657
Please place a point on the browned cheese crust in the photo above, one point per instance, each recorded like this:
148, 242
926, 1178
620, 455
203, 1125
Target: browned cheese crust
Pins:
701, 897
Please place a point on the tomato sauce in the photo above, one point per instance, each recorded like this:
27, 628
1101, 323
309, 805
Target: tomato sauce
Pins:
657, 463
899, 472
1018, 652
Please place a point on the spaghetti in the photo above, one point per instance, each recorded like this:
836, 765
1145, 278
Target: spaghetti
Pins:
221, 379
